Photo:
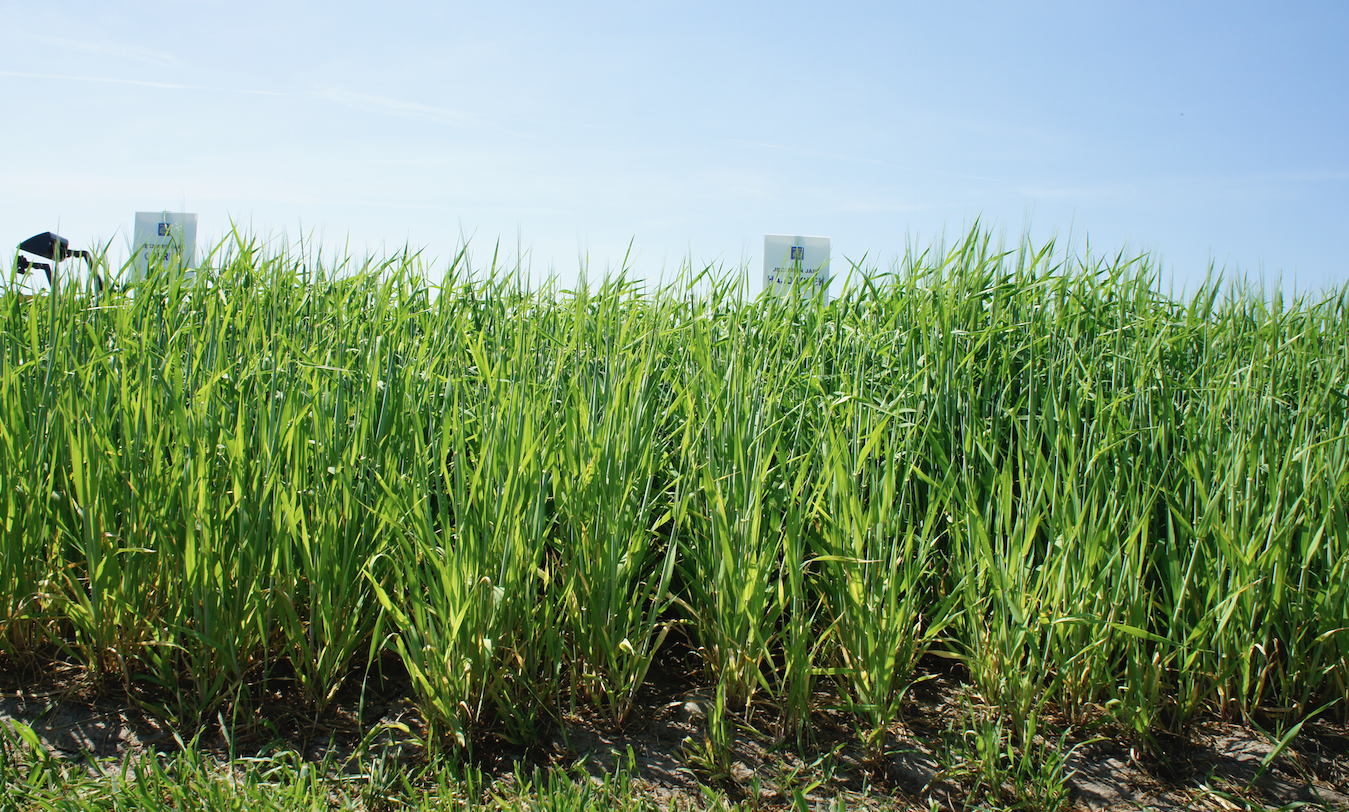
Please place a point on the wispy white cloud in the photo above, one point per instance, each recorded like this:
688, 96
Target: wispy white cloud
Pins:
114, 49
860, 159
1225, 185
100, 79
759, 144
134, 82
881, 207
399, 107
1314, 176
1087, 192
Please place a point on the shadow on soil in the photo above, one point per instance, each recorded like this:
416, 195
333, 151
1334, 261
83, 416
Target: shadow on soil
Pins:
925, 762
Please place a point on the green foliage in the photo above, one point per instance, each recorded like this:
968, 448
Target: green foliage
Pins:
1102, 499
1002, 768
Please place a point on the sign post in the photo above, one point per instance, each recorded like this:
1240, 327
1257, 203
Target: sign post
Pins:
796, 263
165, 238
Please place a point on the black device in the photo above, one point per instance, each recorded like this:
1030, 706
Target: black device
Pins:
56, 248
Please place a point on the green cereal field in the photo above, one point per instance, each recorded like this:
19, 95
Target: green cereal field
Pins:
1008, 504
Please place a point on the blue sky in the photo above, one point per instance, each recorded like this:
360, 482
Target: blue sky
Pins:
1198, 132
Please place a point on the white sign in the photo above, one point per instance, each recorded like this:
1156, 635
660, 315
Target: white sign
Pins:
166, 238
796, 263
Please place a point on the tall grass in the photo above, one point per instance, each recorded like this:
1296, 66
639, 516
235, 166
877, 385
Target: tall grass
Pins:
1099, 497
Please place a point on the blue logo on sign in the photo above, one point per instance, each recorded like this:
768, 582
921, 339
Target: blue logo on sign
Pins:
163, 229
798, 252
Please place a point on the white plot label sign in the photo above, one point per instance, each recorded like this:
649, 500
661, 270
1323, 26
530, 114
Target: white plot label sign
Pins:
166, 238
792, 262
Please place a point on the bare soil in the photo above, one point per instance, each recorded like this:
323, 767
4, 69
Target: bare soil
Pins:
1218, 765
